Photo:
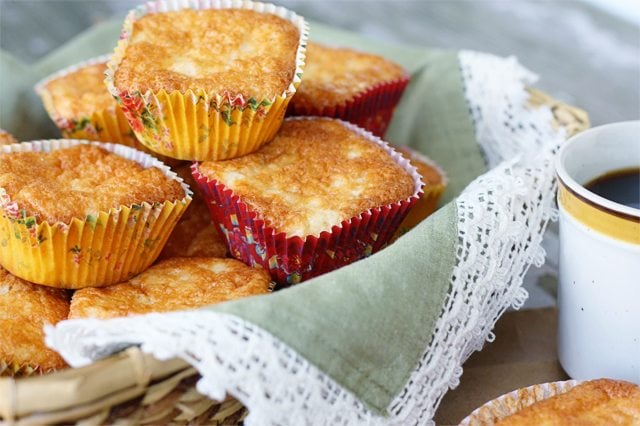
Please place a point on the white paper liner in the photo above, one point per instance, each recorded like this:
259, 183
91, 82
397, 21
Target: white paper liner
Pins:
514, 401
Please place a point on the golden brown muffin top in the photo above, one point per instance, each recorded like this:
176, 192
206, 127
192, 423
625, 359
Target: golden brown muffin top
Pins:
6, 138
233, 50
315, 174
80, 93
24, 309
79, 181
171, 285
597, 402
195, 235
333, 76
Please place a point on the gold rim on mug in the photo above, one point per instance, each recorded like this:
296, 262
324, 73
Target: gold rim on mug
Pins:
605, 216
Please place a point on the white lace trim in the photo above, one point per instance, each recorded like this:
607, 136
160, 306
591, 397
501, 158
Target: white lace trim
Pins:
233, 356
502, 216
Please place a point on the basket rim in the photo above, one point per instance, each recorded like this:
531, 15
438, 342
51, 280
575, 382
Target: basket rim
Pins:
141, 369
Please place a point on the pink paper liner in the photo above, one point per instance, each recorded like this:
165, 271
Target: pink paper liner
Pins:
371, 109
291, 260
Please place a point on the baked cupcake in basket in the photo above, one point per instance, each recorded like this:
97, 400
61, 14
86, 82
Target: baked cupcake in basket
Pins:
195, 235
80, 105
324, 193
358, 87
207, 80
6, 138
593, 402
172, 285
435, 182
24, 309
75, 214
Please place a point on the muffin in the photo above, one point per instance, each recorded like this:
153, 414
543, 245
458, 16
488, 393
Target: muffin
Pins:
24, 309
75, 214
435, 182
321, 195
358, 87
595, 402
171, 285
6, 138
207, 81
78, 102
195, 235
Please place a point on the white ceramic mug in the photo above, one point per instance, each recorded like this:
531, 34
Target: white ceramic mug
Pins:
599, 289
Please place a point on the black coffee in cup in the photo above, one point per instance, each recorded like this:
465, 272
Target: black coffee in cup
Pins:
620, 186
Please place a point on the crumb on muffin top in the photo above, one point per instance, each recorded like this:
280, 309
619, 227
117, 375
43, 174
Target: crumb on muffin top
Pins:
315, 174
238, 51
333, 76
171, 285
59, 185
80, 93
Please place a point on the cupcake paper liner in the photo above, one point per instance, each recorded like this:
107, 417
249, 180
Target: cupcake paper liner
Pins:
512, 402
98, 250
109, 125
291, 260
371, 109
428, 203
196, 125
104, 125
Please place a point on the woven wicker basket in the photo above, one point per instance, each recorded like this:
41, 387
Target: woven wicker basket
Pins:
134, 388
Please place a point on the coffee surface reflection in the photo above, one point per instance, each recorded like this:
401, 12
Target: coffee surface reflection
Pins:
620, 186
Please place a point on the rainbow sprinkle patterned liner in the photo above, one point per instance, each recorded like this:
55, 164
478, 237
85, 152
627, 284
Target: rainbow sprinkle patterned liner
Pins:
215, 126
97, 250
291, 260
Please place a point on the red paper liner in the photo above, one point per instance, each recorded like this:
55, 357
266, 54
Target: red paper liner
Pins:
291, 260
371, 109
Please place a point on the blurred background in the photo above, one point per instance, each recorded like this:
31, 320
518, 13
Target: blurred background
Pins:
587, 52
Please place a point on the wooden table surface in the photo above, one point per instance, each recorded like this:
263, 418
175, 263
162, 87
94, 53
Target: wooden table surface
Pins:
523, 354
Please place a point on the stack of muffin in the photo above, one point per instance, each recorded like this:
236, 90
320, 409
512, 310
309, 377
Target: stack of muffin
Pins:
209, 85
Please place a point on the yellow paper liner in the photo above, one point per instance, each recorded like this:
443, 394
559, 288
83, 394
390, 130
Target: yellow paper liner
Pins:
104, 125
196, 125
98, 250
512, 402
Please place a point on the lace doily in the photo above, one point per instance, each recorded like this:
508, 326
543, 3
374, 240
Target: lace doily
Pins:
502, 216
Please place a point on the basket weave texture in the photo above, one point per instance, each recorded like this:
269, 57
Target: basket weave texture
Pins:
134, 388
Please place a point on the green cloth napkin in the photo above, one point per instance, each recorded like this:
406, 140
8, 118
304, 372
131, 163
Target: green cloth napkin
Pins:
367, 324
